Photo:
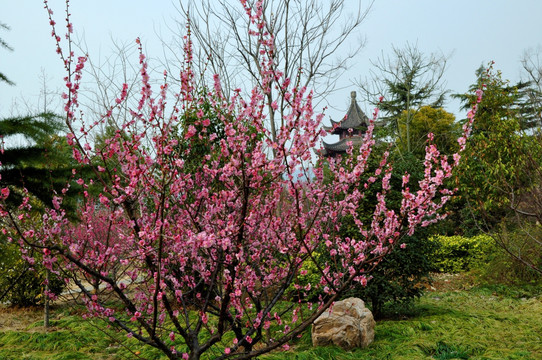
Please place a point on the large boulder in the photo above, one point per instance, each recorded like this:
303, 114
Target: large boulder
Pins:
348, 324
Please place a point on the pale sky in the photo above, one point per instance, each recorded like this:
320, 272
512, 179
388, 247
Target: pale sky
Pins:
474, 31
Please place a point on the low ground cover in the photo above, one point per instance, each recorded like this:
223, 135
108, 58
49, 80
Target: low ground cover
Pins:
456, 319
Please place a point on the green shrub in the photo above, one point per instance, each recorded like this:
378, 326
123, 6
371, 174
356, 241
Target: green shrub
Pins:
400, 278
456, 254
20, 283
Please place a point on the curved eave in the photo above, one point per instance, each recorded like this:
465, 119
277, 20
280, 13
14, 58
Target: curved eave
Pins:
334, 129
342, 145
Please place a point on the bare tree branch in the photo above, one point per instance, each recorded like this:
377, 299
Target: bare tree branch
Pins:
313, 44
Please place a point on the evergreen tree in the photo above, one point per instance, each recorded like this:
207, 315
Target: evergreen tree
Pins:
3, 44
504, 102
40, 166
408, 80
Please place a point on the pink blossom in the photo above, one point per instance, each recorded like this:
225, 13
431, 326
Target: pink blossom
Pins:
191, 132
103, 199
479, 93
230, 131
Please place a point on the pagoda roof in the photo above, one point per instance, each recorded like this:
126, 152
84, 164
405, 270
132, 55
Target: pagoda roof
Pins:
342, 145
354, 118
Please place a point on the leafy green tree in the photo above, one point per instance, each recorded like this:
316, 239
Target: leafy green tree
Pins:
205, 122
413, 90
22, 284
502, 101
400, 278
427, 120
500, 180
411, 83
402, 275
495, 153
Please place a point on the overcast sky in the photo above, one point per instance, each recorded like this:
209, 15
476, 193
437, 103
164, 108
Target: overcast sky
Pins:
473, 31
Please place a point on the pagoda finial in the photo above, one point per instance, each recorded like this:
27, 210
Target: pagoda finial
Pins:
353, 96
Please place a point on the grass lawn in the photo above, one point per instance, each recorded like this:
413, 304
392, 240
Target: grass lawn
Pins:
455, 321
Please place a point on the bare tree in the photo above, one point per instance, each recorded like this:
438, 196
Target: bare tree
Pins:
104, 74
407, 79
531, 62
312, 41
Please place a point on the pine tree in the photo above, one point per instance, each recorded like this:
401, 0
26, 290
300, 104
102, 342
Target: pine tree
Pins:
3, 44
25, 166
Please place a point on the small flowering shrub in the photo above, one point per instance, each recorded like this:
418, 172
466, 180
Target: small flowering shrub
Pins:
210, 252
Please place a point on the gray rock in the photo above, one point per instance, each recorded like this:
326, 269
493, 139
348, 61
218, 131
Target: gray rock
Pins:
348, 324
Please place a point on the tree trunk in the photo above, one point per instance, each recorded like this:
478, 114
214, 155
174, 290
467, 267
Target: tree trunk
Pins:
46, 314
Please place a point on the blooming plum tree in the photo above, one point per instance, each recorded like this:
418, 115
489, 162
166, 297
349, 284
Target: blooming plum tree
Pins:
211, 253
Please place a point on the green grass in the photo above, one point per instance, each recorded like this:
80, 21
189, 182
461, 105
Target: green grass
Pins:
476, 324
492, 322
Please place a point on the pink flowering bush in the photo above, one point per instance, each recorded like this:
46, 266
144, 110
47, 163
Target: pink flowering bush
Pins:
209, 253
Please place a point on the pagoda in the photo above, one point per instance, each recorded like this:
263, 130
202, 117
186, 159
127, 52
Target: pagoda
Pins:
350, 129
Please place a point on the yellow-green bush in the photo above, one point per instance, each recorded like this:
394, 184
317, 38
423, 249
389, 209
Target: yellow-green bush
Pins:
308, 274
20, 283
457, 253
